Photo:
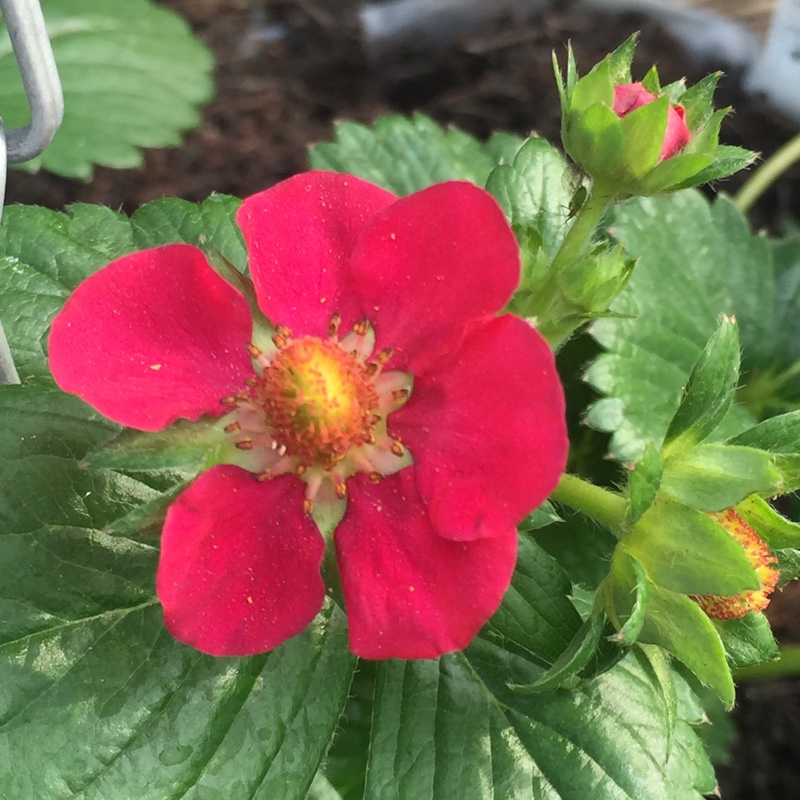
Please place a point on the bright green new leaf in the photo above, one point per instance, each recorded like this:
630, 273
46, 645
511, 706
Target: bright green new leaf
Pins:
133, 76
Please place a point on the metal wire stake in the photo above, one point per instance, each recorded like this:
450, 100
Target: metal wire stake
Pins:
33, 52
37, 66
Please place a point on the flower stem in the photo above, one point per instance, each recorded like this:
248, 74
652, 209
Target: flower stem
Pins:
767, 174
788, 664
582, 228
601, 505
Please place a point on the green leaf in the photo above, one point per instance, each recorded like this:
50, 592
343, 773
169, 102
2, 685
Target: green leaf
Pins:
710, 390
686, 551
696, 260
45, 255
779, 434
541, 517
405, 155
713, 477
474, 738
788, 565
133, 76
534, 191
536, 618
747, 641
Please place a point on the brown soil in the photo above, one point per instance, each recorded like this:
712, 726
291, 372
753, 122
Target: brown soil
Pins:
274, 99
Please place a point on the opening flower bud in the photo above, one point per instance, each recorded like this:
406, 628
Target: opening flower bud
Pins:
630, 96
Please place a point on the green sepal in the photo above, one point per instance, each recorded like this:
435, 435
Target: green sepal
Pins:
675, 623
713, 477
727, 161
747, 641
594, 88
651, 81
697, 101
144, 522
619, 62
644, 479
590, 284
631, 628
687, 551
595, 139
788, 564
186, 445
779, 434
643, 132
776, 531
674, 170
706, 140
574, 659
710, 390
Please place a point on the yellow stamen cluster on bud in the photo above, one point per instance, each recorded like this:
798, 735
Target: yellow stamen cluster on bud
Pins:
763, 561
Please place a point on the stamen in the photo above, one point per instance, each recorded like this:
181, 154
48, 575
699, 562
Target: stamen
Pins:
341, 490
281, 342
301, 470
384, 355
233, 427
400, 395
333, 325
254, 351
308, 505
245, 444
266, 475
283, 331
375, 477
361, 328
372, 369
396, 448
374, 419
228, 400
252, 382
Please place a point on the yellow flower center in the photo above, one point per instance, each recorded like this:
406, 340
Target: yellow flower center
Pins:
319, 400
318, 408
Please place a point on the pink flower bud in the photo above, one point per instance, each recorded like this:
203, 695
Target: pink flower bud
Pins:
630, 96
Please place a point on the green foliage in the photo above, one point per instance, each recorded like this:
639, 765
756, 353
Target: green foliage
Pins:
407, 154
133, 76
696, 260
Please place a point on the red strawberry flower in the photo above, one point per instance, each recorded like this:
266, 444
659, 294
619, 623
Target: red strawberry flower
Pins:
630, 96
387, 394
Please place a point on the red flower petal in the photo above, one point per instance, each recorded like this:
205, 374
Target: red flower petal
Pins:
300, 235
239, 570
677, 135
409, 593
430, 265
487, 431
154, 336
630, 96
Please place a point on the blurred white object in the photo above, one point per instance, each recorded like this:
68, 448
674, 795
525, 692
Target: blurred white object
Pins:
776, 71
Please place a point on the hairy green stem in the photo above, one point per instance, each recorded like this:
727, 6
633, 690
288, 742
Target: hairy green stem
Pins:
582, 228
788, 664
600, 504
767, 174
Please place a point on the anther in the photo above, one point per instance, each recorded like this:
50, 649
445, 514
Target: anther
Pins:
266, 475
281, 342
400, 395
233, 427
375, 477
372, 369
301, 470
228, 400
374, 419
308, 505
384, 355
341, 490
252, 381
254, 351
274, 445
282, 450
333, 325
245, 444
283, 331
361, 328
396, 448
